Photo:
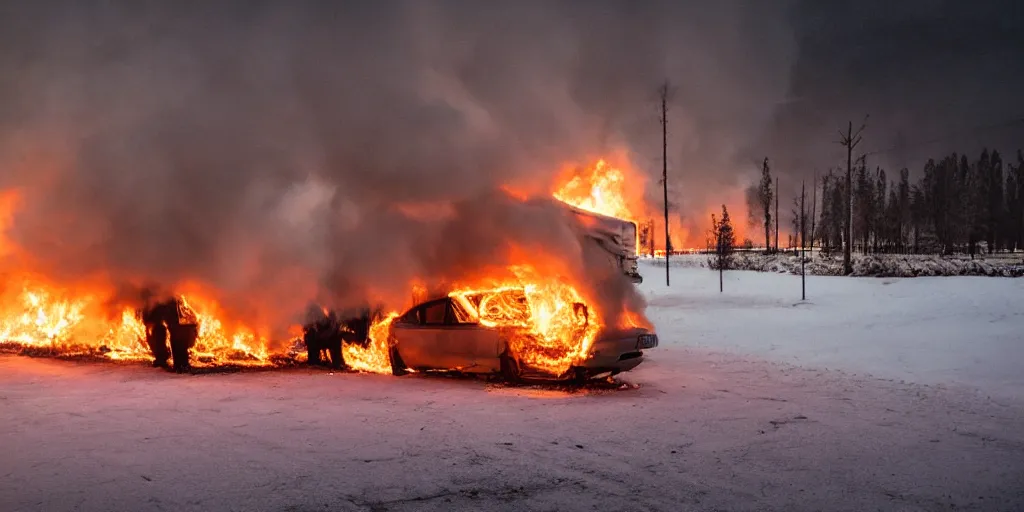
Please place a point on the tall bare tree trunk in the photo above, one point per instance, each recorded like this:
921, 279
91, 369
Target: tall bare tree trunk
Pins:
814, 209
849, 140
776, 214
664, 171
803, 253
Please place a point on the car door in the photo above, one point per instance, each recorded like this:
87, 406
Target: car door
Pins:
419, 334
476, 346
440, 335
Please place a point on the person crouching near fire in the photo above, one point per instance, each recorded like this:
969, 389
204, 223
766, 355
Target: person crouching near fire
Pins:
322, 332
169, 318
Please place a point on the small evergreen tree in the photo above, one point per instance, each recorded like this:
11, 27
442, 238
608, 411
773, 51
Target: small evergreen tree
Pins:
723, 242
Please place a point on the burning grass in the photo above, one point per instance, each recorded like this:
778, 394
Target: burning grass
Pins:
40, 317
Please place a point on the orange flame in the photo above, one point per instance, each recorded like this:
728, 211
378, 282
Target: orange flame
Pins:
375, 357
217, 344
45, 316
547, 321
549, 324
602, 190
620, 191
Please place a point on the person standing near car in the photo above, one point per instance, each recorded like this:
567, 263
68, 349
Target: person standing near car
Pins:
321, 332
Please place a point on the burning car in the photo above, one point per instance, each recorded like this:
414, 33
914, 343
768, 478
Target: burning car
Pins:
522, 333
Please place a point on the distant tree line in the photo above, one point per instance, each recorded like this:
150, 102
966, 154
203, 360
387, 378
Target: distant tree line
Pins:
957, 205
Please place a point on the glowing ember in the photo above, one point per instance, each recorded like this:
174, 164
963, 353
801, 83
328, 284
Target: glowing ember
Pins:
548, 323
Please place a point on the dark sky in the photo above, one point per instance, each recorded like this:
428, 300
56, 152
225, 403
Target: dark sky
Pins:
922, 70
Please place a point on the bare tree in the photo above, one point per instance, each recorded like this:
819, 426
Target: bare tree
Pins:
850, 141
814, 209
776, 215
803, 253
663, 92
759, 201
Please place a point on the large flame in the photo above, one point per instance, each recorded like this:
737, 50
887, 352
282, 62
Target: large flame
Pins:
601, 189
41, 316
238, 344
618, 190
375, 357
548, 324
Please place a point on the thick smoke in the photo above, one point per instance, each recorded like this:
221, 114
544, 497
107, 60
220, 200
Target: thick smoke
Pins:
278, 152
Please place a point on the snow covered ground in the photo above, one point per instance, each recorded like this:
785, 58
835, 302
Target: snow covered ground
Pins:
735, 411
871, 265
933, 330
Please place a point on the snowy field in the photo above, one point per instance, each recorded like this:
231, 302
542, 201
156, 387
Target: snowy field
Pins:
932, 330
753, 402
871, 265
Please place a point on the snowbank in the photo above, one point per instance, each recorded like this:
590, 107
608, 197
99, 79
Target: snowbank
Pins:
872, 265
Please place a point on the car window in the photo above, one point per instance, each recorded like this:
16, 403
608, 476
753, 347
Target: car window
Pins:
410, 317
434, 313
459, 315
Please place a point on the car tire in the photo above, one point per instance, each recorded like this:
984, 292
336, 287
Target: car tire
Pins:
510, 370
397, 365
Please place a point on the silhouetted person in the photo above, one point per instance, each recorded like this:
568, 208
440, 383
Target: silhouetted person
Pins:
322, 332
354, 328
154, 320
184, 331
169, 320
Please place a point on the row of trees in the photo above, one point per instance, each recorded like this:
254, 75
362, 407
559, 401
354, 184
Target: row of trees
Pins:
955, 206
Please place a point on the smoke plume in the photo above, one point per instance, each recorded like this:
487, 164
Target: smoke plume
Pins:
278, 152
